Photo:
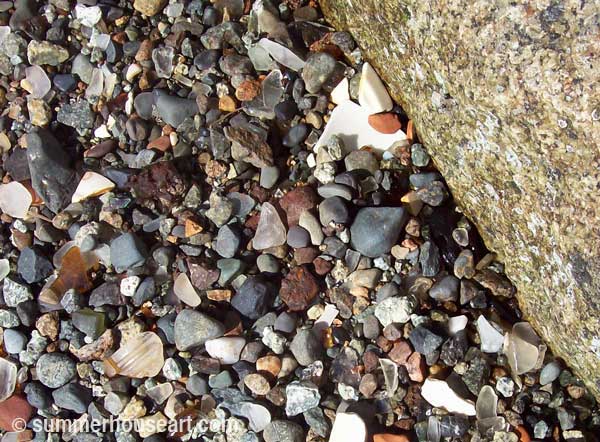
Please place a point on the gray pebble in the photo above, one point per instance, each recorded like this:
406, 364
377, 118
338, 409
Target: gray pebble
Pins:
55, 369
193, 328
306, 347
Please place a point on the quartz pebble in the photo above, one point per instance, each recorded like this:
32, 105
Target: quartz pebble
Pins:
439, 394
140, 357
348, 426
372, 93
226, 349
91, 184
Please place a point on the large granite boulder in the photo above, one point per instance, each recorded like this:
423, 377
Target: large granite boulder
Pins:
504, 95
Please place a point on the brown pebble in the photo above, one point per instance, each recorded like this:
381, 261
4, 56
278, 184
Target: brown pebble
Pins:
47, 325
523, 434
305, 255
298, 289
322, 266
370, 361
144, 52
368, 385
385, 123
297, 201
227, 104
400, 352
161, 143
13, 411
416, 367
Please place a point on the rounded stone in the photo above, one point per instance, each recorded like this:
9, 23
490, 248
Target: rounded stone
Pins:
55, 369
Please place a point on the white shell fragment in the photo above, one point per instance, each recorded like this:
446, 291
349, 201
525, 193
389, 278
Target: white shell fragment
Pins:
15, 199
340, 93
491, 339
439, 394
91, 184
348, 427
281, 54
185, 291
372, 94
350, 122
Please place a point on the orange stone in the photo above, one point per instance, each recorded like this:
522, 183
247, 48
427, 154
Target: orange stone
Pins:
160, 143
219, 295
247, 90
192, 228
523, 434
14, 413
386, 437
227, 104
386, 123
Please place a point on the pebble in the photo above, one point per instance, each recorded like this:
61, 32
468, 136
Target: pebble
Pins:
174, 110
283, 431
253, 297
127, 251
550, 373
376, 229
445, 290
193, 329
395, 310
301, 396
14, 341
149, 7
228, 241
298, 237
361, 160
306, 347
257, 384
298, 289
319, 67
226, 349
425, 341
15, 293
439, 394
73, 397
55, 369
46, 53
386, 123
491, 339
333, 210
271, 231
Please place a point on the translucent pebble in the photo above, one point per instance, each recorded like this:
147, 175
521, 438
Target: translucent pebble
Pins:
487, 403
281, 54
99, 41
15, 199
96, 85
185, 291
141, 357
8, 378
260, 58
270, 231
524, 349
163, 61
549, 373
38, 82
4, 268
390, 376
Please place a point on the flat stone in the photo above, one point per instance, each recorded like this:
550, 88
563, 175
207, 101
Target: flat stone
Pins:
74, 397
173, 110
424, 341
127, 251
52, 177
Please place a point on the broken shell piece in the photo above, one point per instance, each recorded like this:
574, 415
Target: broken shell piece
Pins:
524, 349
15, 199
341, 93
348, 427
439, 394
141, 357
351, 123
372, 94
8, 378
91, 184
185, 291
